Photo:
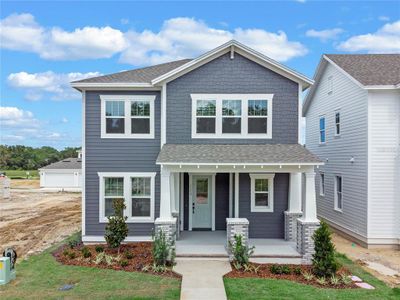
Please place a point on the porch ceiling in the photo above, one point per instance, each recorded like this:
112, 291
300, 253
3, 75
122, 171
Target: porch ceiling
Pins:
208, 154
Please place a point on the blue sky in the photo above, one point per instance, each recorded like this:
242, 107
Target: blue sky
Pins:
44, 45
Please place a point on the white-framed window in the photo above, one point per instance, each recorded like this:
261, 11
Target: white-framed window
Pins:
127, 116
322, 130
137, 190
338, 197
262, 192
232, 116
321, 184
337, 123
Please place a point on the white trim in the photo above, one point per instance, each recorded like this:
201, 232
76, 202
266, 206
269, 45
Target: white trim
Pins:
300, 114
128, 99
236, 195
127, 195
241, 49
335, 191
190, 201
67, 171
182, 205
270, 207
111, 84
163, 114
83, 158
101, 239
230, 193
238, 164
382, 87
244, 116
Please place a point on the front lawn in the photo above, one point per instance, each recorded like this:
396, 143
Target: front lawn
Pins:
41, 276
254, 288
21, 174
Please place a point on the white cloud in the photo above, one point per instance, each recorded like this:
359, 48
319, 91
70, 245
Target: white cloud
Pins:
49, 84
21, 32
178, 38
385, 40
326, 34
64, 120
186, 37
384, 18
13, 117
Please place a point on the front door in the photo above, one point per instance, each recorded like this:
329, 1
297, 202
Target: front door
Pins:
201, 204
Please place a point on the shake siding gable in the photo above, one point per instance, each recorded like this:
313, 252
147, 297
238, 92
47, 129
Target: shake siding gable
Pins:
337, 152
117, 155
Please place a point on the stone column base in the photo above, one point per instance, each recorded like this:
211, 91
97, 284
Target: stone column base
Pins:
305, 243
291, 225
168, 226
236, 226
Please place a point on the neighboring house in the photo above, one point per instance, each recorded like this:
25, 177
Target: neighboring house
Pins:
64, 175
203, 144
353, 124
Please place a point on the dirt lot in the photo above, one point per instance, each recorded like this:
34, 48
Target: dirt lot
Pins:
32, 220
388, 258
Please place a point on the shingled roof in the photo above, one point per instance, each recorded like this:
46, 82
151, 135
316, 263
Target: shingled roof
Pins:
370, 69
143, 75
65, 164
236, 154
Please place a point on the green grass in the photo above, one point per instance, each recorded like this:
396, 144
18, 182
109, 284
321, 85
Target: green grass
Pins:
254, 288
21, 174
41, 276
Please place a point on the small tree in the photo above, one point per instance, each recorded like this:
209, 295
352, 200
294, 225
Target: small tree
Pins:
241, 252
163, 249
324, 261
116, 229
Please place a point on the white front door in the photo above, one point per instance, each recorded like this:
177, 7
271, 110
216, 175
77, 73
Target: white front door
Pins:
201, 203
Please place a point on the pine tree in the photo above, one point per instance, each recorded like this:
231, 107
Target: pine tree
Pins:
324, 261
116, 229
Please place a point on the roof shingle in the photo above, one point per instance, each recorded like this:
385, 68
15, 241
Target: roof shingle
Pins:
66, 164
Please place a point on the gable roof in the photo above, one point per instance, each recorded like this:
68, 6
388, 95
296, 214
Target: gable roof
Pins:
368, 71
71, 163
157, 75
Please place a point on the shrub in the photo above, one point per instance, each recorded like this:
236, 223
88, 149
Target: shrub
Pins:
275, 269
237, 265
324, 261
102, 257
346, 280
117, 229
124, 263
65, 252
335, 280
71, 255
128, 255
86, 252
297, 271
163, 250
99, 249
74, 242
308, 276
241, 252
286, 270
321, 280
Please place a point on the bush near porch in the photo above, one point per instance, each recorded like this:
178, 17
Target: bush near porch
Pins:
41, 276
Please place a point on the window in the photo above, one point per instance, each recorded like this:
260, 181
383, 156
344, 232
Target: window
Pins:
321, 184
322, 130
338, 193
337, 123
330, 84
137, 191
258, 116
205, 116
127, 116
262, 192
232, 116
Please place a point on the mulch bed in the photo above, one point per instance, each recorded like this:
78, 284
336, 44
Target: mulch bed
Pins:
140, 252
265, 272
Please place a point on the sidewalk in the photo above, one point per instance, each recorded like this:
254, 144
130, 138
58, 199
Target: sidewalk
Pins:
202, 278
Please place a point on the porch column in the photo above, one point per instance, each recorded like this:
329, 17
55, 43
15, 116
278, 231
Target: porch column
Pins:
294, 207
308, 223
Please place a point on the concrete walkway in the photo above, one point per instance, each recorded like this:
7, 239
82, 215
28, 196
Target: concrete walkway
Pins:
202, 278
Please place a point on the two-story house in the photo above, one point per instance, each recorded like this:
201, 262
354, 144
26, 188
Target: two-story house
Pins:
353, 124
209, 144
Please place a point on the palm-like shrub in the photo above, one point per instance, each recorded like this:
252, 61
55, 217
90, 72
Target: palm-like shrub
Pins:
116, 229
163, 249
241, 252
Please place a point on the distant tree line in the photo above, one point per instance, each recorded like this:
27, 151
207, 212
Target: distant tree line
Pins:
27, 158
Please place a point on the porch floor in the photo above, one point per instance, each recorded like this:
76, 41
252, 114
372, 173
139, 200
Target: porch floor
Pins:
212, 243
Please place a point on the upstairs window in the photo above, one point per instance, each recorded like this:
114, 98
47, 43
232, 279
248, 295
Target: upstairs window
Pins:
127, 116
232, 116
322, 133
337, 123
330, 84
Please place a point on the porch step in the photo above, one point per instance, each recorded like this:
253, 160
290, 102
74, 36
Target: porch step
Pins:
202, 255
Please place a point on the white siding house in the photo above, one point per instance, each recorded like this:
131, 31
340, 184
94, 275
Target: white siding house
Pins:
353, 124
65, 175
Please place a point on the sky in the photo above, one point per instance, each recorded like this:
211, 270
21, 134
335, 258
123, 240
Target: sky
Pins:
45, 45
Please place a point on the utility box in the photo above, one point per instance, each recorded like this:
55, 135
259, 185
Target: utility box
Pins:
6, 272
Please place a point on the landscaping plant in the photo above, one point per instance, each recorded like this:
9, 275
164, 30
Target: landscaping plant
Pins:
324, 260
163, 249
99, 249
86, 252
241, 252
117, 229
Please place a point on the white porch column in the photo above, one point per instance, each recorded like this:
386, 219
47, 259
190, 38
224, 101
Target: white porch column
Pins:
310, 201
165, 195
294, 207
172, 191
236, 195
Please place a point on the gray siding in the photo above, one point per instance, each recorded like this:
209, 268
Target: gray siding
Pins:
117, 155
240, 75
353, 141
264, 224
